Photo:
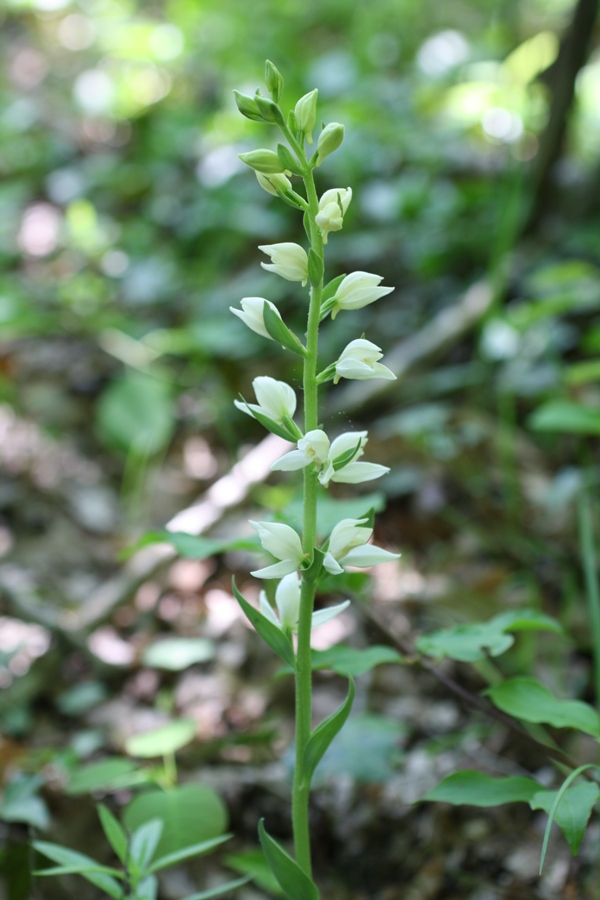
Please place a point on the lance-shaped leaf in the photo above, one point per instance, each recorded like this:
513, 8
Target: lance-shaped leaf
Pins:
328, 294
573, 810
312, 572
344, 458
88, 866
293, 880
315, 266
186, 852
528, 699
288, 160
280, 332
471, 788
219, 891
144, 843
114, 831
324, 733
279, 642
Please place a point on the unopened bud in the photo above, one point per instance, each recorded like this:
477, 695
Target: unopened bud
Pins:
273, 80
269, 110
305, 113
247, 106
329, 140
272, 183
265, 161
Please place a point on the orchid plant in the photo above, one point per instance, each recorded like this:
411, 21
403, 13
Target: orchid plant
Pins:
300, 559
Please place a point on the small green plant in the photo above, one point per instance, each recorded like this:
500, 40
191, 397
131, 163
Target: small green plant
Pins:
137, 852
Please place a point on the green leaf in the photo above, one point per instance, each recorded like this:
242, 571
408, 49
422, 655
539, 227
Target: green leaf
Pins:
190, 814
273, 636
330, 289
106, 775
190, 546
566, 416
78, 869
324, 734
177, 653
528, 699
147, 889
137, 413
219, 891
162, 741
573, 811
275, 427
144, 842
186, 852
20, 803
472, 788
114, 831
468, 643
288, 160
315, 568
315, 267
295, 883
280, 332
367, 748
66, 857
352, 661
253, 863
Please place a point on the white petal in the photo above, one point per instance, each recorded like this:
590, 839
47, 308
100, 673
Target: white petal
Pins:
325, 615
357, 472
347, 534
348, 441
290, 462
332, 565
287, 598
276, 398
280, 540
267, 610
277, 570
368, 555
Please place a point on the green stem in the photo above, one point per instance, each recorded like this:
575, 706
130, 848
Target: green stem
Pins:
588, 554
301, 787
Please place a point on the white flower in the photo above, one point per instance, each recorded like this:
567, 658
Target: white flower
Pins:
288, 260
270, 183
287, 600
348, 547
312, 448
276, 399
332, 209
357, 290
283, 543
316, 449
359, 360
252, 314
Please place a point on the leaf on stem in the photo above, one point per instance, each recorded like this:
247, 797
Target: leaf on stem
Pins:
528, 699
293, 880
281, 333
324, 733
279, 642
114, 831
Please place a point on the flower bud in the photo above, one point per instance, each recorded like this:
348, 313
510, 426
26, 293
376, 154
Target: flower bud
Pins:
273, 80
305, 113
329, 140
269, 110
332, 208
252, 314
265, 161
247, 107
271, 183
288, 260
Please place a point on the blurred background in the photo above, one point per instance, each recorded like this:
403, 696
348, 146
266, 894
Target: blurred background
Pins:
128, 226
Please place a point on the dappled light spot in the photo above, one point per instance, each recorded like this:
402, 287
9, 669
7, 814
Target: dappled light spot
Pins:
114, 263
76, 32
40, 229
221, 612
219, 165
501, 124
332, 632
94, 91
20, 644
198, 459
28, 68
106, 644
442, 52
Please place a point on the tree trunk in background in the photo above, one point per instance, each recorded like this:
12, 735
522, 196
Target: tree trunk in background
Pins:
574, 50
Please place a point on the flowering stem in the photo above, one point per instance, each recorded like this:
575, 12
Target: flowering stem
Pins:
301, 788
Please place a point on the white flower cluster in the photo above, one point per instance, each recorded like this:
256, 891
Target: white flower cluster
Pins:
333, 460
